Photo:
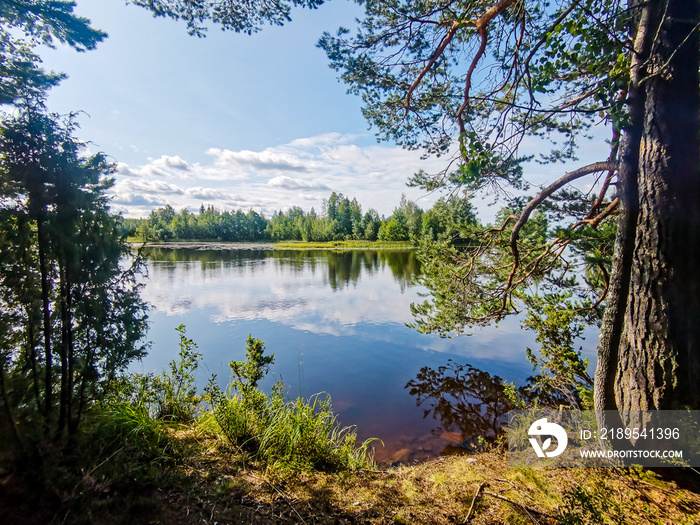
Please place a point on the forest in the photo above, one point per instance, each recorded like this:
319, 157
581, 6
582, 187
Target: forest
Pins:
340, 219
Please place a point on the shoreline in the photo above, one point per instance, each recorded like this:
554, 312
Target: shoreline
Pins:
205, 245
285, 245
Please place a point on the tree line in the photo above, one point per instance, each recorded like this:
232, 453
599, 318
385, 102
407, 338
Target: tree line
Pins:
340, 219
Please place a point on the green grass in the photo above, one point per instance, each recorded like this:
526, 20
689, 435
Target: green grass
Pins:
293, 245
129, 468
299, 435
344, 245
251, 457
140, 240
305, 435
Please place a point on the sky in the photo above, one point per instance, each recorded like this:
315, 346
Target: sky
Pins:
233, 121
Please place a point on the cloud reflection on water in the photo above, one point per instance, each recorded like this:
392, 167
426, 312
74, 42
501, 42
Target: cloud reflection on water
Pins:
336, 323
319, 292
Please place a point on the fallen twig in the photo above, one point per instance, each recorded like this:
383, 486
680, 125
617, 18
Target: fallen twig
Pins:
529, 510
476, 496
283, 497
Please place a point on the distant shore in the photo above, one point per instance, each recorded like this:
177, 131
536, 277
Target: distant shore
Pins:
285, 245
206, 245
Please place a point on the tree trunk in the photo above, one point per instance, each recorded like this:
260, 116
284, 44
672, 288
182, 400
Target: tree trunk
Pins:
649, 349
31, 309
31, 350
46, 311
11, 421
66, 391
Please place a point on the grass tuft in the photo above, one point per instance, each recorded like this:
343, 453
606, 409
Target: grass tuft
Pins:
299, 435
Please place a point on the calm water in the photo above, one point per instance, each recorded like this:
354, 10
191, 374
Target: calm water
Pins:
335, 322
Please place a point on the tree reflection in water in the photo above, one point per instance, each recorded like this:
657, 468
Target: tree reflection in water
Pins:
465, 400
343, 267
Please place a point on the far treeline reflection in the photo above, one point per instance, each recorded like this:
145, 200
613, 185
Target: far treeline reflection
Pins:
344, 267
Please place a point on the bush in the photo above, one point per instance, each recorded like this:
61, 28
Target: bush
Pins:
298, 435
175, 392
170, 396
129, 429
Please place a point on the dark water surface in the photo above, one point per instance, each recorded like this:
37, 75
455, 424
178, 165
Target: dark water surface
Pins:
335, 322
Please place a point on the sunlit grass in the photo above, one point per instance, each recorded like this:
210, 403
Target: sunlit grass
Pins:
299, 435
343, 245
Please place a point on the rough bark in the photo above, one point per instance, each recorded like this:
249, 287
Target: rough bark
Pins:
649, 350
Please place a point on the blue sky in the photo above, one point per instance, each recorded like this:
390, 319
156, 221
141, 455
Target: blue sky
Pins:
229, 120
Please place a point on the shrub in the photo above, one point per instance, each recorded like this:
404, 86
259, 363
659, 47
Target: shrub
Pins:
170, 396
298, 435
175, 392
130, 429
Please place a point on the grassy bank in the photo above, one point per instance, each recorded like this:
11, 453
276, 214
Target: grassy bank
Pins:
344, 245
198, 478
156, 450
201, 244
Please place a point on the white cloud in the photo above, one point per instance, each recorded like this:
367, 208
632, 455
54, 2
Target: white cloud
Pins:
321, 140
207, 194
282, 181
153, 170
349, 155
175, 162
124, 170
143, 186
302, 172
137, 200
307, 196
263, 160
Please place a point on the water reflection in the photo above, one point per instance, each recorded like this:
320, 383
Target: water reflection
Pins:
343, 267
283, 285
465, 400
335, 322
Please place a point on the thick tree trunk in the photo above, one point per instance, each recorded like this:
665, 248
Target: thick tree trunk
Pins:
31, 311
649, 350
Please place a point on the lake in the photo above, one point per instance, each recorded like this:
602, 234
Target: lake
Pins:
335, 322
